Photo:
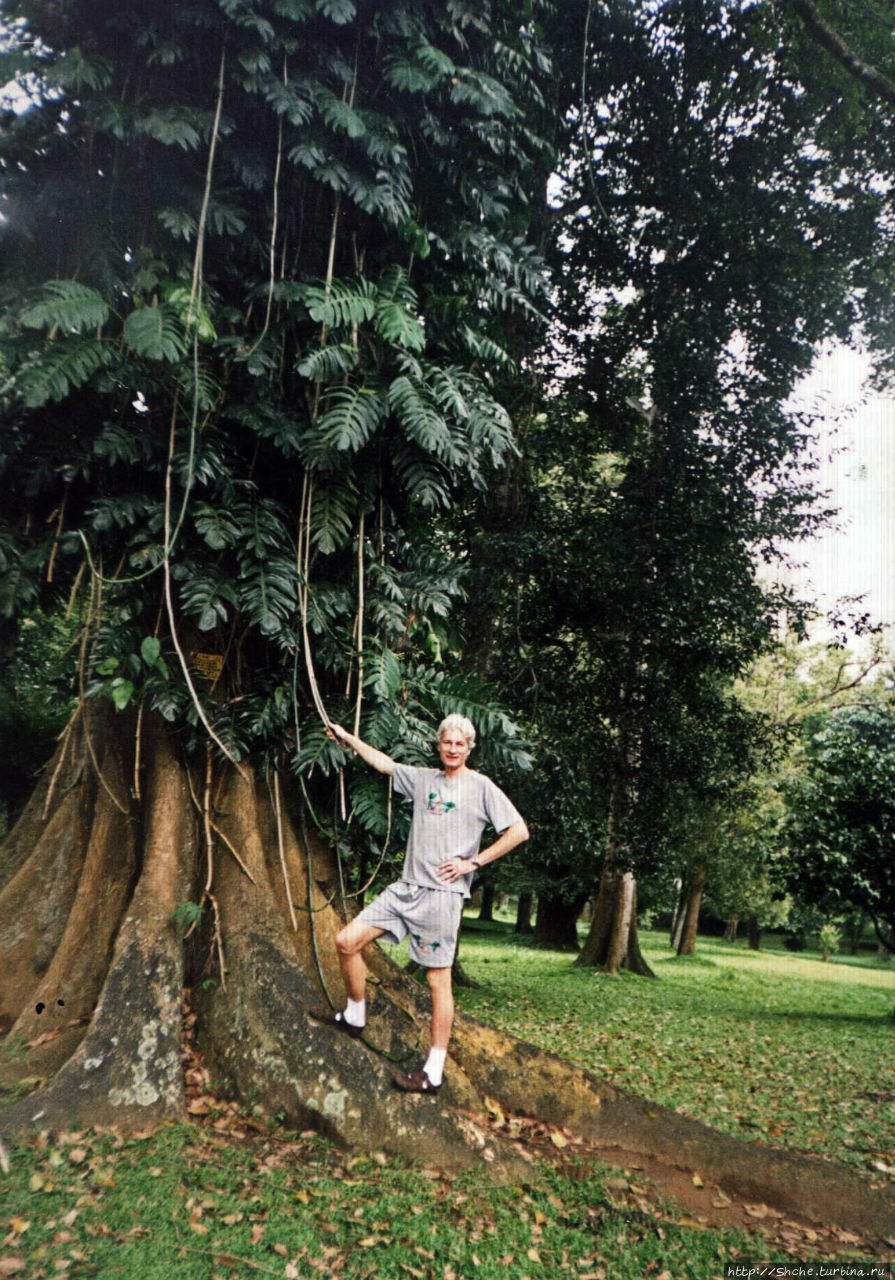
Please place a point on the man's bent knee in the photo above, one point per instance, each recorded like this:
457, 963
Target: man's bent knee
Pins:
350, 940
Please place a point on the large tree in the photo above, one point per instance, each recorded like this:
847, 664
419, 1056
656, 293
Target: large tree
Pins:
258, 260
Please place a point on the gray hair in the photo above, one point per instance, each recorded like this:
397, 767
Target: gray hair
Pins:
461, 724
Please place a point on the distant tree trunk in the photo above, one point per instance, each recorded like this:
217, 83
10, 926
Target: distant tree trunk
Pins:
733, 925
695, 887
754, 929
612, 943
523, 914
556, 922
486, 911
883, 953
677, 920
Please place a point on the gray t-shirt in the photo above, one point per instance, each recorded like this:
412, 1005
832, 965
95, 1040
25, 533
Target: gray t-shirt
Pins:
449, 816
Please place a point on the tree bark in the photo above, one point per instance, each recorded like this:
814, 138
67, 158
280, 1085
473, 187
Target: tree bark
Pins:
486, 911
695, 886
754, 935
556, 922
523, 914
733, 926
677, 920
613, 943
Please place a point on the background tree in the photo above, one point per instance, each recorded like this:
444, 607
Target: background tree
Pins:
842, 816
695, 271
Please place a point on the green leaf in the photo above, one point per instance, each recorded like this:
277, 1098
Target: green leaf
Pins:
150, 650
121, 692
155, 332
352, 419
338, 11
326, 363
65, 364
345, 302
72, 306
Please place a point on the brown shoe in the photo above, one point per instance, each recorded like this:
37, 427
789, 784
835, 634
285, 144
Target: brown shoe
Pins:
415, 1082
335, 1019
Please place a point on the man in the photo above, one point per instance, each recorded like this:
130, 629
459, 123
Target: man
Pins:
451, 808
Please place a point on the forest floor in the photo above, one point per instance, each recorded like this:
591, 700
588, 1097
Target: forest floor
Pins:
776, 1048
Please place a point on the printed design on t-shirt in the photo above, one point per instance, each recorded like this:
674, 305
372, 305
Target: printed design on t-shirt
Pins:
427, 948
438, 805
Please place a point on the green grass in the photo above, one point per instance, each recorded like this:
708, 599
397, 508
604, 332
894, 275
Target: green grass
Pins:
184, 1203
768, 1045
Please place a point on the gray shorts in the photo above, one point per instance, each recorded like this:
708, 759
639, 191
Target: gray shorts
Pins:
430, 917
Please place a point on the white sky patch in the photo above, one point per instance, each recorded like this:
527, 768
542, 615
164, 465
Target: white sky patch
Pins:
856, 455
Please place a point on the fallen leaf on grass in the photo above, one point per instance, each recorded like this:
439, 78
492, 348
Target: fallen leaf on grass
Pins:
281, 1250
697, 1181
257, 1233
11, 1265
557, 1139
756, 1210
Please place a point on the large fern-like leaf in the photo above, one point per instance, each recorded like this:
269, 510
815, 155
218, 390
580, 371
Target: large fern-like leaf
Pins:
326, 363
353, 416
71, 306
413, 407
343, 302
267, 593
65, 364
155, 332
332, 515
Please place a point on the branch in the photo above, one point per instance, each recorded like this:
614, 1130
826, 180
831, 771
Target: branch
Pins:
824, 35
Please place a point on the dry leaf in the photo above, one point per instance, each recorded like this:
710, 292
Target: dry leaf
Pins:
756, 1210
232, 1218
35, 1182
281, 1250
533, 1255
257, 1233
291, 1272
697, 1181
557, 1139
11, 1265
199, 1227
77, 1155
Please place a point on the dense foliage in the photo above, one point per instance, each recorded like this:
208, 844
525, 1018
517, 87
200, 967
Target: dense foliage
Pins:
258, 261
842, 816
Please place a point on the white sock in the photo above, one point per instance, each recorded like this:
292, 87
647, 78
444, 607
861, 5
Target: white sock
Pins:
434, 1067
355, 1012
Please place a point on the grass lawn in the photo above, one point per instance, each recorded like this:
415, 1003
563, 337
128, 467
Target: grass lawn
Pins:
772, 1046
769, 1045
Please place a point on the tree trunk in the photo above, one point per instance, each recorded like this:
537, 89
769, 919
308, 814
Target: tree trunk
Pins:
677, 920
486, 911
523, 914
733, 926
754, 935
556, 922
93, 964
695, 887
613, 943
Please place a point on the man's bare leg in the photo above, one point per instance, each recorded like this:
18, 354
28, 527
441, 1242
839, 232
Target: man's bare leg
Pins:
350, 942
442, 1006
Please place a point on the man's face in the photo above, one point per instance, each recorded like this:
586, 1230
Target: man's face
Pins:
453, 749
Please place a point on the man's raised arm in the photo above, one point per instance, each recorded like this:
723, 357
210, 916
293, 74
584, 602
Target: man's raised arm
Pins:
378, 759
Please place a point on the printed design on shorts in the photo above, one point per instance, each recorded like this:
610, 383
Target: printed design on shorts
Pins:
438, 805
427, 948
